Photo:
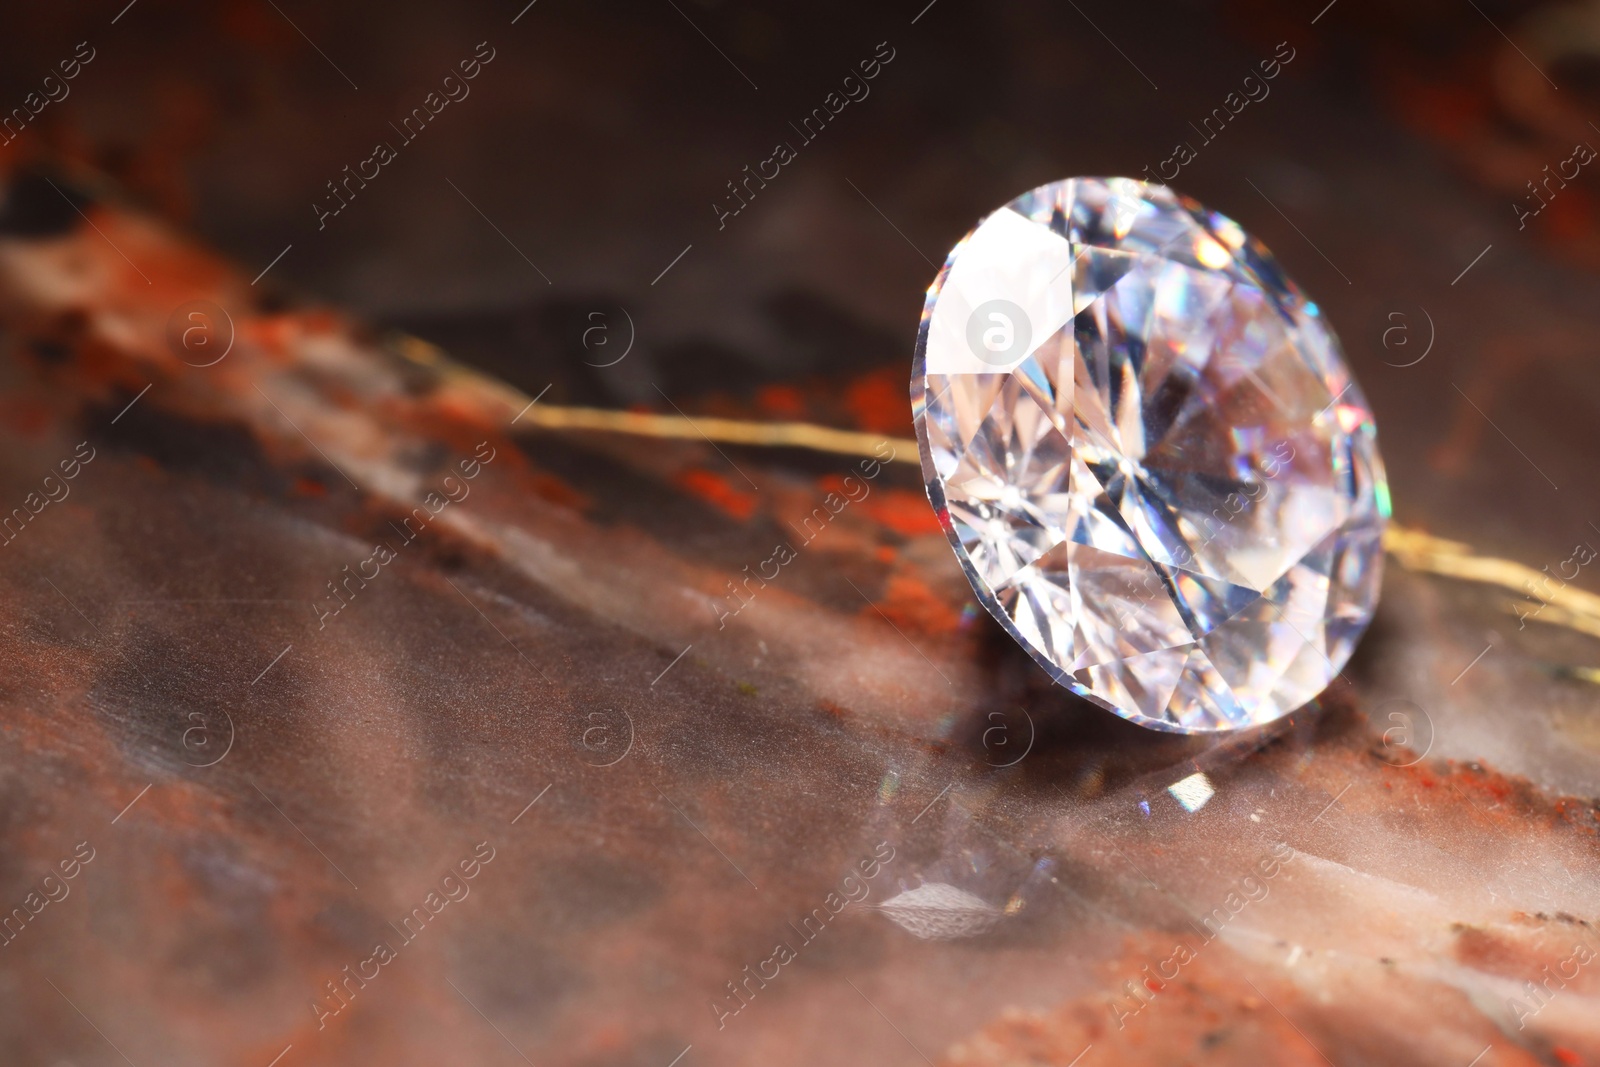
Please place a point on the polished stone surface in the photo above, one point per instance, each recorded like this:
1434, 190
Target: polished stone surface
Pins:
770, 836
1440, 803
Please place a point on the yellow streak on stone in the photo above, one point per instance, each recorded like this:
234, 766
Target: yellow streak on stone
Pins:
726, 431
1415, 550
1566, 606
646, 424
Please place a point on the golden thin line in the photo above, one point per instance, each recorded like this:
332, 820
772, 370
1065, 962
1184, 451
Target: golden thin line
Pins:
1415, 550
645, 424
728, 431
1563, 606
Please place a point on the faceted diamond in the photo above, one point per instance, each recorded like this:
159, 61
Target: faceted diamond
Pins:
1144, 444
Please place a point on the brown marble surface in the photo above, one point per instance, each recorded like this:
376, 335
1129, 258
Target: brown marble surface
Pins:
962, 864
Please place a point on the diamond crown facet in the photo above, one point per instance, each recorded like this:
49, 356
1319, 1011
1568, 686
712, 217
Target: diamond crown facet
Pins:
1146, 449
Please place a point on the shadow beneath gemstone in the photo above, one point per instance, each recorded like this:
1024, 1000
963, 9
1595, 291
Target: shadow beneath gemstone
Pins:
1051, 742
1383, 633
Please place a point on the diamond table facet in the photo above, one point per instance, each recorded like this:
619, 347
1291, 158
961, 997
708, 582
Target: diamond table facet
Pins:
1144, 444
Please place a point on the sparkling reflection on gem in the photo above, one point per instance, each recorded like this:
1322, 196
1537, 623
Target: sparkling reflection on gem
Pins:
1146, 448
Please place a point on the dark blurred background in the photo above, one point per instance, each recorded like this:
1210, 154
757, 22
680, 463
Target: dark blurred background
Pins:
1393, 149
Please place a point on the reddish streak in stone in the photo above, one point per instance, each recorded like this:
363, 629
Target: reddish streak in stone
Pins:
553, 489
715, 490
781, 401
878, 403
912, 605
905, 512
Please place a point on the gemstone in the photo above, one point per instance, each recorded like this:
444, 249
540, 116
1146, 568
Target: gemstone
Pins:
1146, 449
